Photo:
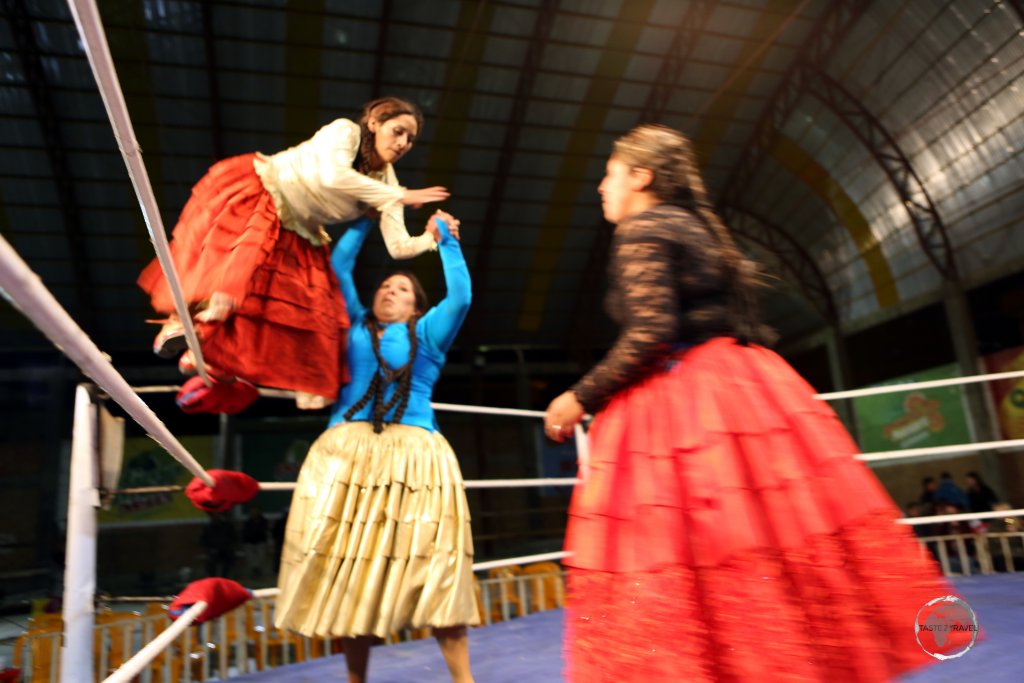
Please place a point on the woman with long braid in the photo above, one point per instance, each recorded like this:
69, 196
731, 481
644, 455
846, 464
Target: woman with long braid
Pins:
378, 535
725, 531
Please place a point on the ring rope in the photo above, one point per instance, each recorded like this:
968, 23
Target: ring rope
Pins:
134, 666
27, 293
910, 386
90, 28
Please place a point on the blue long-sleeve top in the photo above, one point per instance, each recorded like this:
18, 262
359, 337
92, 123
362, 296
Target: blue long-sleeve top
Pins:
435, 332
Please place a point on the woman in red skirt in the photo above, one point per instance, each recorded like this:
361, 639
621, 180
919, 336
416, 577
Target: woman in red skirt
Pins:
253, 257
724, 531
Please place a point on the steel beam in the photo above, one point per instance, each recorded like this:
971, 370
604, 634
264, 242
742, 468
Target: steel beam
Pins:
794, 260
928, 225
823, 38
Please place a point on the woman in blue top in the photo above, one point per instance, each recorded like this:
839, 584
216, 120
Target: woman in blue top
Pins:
378, 536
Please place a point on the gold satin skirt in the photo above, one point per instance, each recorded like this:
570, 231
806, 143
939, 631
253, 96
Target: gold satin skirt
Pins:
378, 536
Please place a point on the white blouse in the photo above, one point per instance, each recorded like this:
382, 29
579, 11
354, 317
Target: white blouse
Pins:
313, 183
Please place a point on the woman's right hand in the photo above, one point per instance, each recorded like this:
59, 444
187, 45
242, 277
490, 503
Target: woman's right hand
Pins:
428, 195
450, 220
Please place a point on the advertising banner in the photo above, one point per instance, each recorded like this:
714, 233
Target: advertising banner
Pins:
914, 419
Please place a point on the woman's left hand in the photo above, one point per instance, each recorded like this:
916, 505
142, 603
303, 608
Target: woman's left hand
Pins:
450, 220
562, 415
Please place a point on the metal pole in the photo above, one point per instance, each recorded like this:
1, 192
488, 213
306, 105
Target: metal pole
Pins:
80, 572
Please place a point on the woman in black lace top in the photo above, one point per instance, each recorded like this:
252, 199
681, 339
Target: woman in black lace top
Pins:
724, 527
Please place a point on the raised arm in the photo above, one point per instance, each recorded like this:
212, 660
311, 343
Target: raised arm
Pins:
442, 322
343, 259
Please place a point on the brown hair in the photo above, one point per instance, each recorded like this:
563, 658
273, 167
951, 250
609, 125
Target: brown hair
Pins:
670, 158
380, 110
385, 375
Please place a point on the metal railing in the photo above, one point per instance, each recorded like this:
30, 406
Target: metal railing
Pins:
967, 554
245, 640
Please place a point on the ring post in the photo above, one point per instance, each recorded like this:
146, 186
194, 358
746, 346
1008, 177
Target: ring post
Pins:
80, 550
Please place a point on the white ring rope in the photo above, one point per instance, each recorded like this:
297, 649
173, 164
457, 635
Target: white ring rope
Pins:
520, 483
134, 666
469, 484
508, 562
911, 386
91, 30
961, 517
879, 456
27, 292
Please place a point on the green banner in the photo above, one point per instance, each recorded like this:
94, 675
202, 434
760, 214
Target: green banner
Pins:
147, 464
919, 418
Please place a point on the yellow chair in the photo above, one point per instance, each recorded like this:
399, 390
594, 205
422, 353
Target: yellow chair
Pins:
547, 580
40, 646
480, 606
507, 593
119, 627
277, 641
169, 655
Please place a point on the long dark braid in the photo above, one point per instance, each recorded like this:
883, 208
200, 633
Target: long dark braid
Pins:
384, 376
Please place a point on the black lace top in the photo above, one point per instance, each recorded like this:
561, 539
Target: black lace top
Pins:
667, 286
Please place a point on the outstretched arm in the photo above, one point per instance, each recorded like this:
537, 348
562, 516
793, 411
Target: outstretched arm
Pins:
442, 322
343, 259
396, 236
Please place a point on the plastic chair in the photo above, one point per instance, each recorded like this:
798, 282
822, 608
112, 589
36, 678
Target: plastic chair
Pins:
277, 640
110, 638
507, 593
40, 647
480, 606
547, 591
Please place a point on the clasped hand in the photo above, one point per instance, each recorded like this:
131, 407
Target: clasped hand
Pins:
450, 220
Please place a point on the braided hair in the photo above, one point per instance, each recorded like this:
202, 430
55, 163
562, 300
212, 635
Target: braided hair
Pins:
367, 160
385, 375
670, 158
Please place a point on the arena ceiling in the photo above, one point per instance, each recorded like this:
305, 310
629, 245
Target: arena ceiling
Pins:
867, 152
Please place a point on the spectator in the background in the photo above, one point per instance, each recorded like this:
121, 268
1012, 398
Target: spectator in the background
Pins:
254, 543
915, 509
1007, 523
927, 499
980, 497
949, 492
1005, 557
958, 528
218, 540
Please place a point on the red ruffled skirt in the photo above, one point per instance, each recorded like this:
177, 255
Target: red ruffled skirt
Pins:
725, 532
291, 325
